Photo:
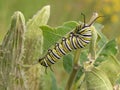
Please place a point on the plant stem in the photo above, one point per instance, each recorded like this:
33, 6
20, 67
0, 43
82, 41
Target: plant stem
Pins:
73, 74
92, 49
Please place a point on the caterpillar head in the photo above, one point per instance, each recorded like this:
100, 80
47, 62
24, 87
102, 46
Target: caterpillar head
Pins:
43, 62
87, 27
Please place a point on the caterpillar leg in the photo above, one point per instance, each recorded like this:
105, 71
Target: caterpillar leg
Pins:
83, 19
51, 69
46, 70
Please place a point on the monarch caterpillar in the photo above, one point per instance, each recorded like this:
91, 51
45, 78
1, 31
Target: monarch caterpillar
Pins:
76, 39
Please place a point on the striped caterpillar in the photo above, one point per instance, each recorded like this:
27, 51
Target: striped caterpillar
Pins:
76, 39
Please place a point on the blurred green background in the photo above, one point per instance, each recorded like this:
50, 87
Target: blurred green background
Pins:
65, 10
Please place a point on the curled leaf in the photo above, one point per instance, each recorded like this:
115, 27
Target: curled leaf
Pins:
34, 37
11, 53
111, 67
96, 80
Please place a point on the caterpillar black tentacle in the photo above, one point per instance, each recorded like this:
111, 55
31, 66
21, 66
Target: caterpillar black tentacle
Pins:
76, 39
84, 19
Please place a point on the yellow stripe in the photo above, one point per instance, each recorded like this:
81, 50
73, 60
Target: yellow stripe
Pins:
52, 57
55, 52
58, 52
62, 48
68, 43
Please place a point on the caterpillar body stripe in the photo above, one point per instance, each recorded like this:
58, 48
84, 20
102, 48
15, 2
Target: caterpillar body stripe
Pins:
76, 39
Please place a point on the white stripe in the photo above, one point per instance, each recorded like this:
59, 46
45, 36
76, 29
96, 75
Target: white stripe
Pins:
45, 63
49, 59
79, 42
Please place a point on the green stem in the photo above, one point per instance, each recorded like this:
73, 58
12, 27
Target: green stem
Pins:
92, 51
73, 74
77, 56
79, 82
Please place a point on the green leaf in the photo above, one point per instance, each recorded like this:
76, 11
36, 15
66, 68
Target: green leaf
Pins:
102, 38
12, 52
34, 74
92, 51
107, 49
53, 35
50, 37
54, 83
111, 67
110, 48
34, 37
47, 80
96, 80
83, 56
68, 63
14, 39
18, 22
118, 80
40, 18
79, 74
66, 28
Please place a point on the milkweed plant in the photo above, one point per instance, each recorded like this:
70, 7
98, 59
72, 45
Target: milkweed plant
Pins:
94, 67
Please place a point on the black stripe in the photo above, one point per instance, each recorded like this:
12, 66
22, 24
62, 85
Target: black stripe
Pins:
66, 44
81, 31
57, 56
73, 44
85, 35
50, 60
79, 43
57, 49
61, 50
85, 41
46, 64
53, 54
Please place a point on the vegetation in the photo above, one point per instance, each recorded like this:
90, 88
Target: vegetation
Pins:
24, 43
